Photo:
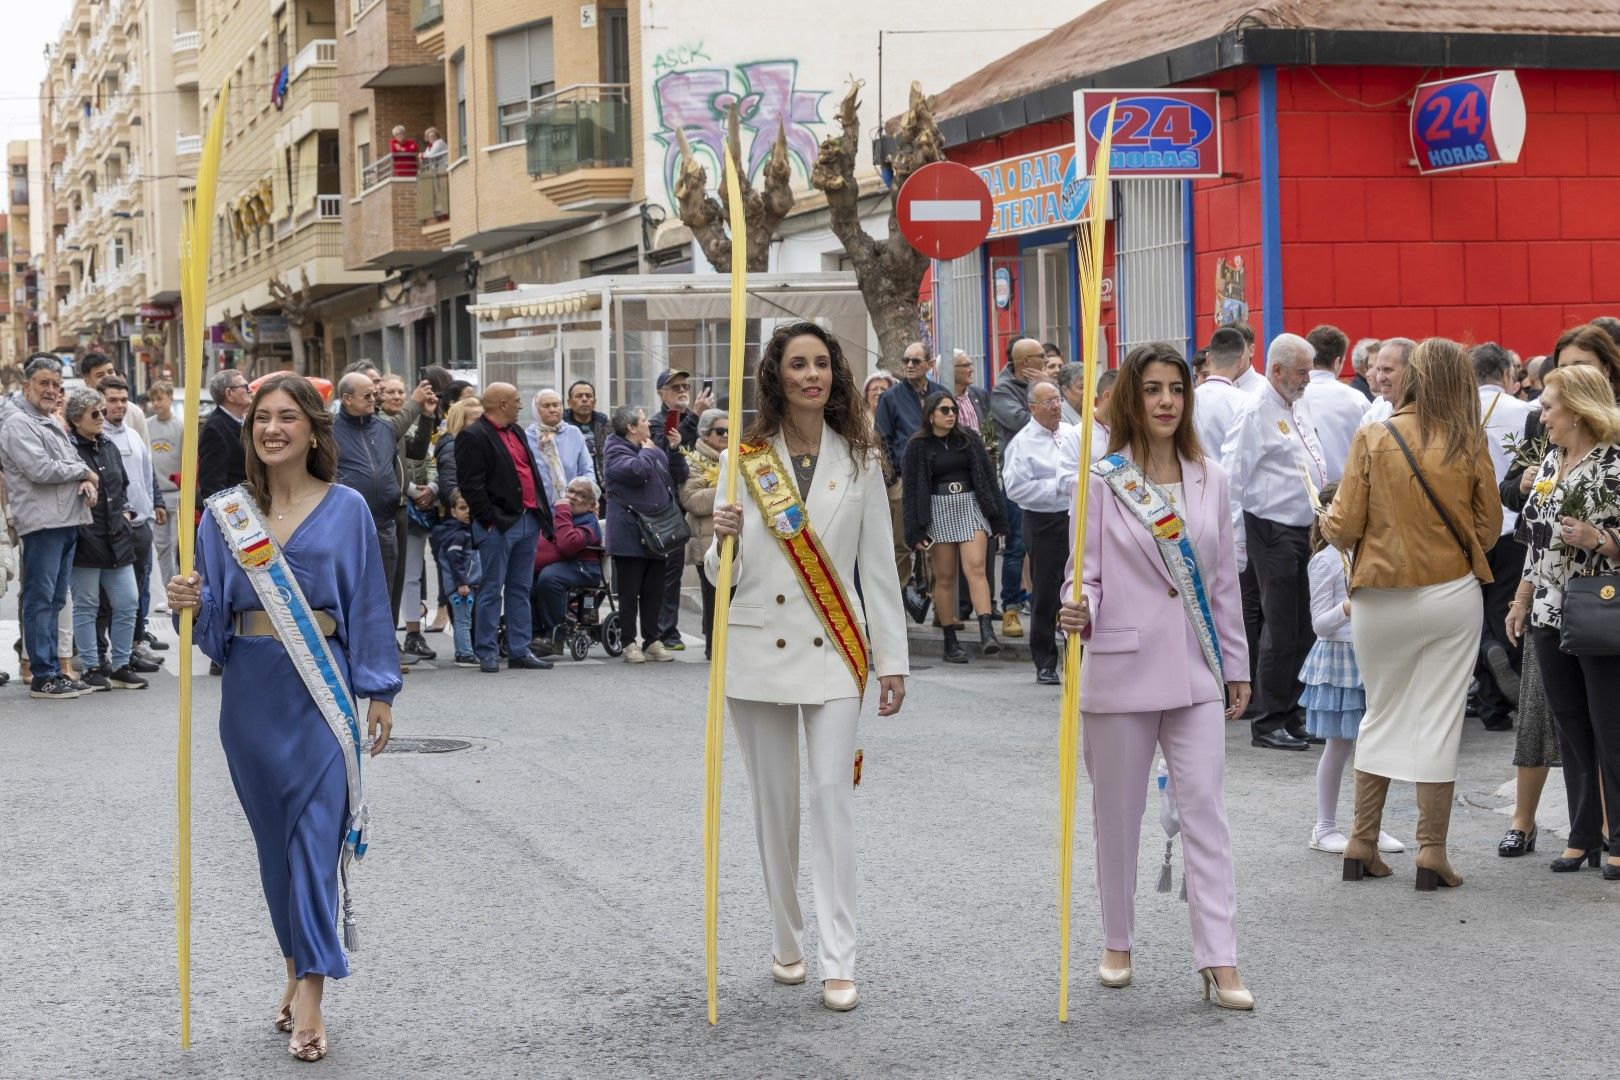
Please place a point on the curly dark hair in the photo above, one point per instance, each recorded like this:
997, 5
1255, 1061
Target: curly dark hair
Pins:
846, 406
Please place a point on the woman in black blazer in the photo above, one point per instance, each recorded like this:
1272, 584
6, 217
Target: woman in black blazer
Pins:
951, 506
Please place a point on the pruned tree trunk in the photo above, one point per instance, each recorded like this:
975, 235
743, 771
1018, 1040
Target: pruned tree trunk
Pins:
707, 216
889, 272
295, 308
240, 328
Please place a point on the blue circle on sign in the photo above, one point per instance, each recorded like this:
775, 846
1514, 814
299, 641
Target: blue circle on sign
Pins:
1146, 123
1454, 116
1076, 190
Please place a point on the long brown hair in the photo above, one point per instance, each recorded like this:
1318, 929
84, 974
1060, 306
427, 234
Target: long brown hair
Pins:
1325, 497
846, 405
1127, 417
1440, 383
321, 461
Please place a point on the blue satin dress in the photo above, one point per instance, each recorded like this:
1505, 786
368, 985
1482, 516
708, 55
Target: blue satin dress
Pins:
285, 762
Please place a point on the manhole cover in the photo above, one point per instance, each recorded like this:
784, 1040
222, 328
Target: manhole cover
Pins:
407, 745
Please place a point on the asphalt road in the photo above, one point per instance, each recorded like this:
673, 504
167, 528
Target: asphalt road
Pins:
533, 906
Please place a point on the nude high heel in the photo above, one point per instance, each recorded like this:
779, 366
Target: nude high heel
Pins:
1239, 1000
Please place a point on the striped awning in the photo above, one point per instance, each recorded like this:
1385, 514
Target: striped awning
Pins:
519, 307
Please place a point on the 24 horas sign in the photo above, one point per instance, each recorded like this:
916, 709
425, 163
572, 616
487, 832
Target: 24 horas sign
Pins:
1467, 122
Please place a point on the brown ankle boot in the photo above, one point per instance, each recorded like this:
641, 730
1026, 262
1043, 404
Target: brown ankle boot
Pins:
1434, 822
1361, 853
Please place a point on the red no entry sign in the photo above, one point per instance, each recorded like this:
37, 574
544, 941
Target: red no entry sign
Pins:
944, 210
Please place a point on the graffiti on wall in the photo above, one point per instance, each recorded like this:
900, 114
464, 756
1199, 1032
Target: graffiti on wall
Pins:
766, 92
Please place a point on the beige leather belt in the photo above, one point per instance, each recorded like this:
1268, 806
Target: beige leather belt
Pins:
258, 624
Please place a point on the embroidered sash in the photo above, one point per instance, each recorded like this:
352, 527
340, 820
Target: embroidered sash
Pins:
1150, 505
779, 504
283, 600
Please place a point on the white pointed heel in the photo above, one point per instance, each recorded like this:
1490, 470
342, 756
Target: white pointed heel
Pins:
788, 974
1240, 999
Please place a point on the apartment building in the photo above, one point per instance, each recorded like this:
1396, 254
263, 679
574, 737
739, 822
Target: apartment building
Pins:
280, 194
116, 90
536, 178
24, 234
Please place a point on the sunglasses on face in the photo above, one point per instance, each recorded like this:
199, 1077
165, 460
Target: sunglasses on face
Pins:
97, 414
948, 410
908, 361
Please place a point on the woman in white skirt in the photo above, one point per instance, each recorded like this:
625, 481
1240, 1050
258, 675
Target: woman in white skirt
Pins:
1419, 506
952, 508
814, 509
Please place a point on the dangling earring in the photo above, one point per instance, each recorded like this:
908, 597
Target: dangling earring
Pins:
314, 444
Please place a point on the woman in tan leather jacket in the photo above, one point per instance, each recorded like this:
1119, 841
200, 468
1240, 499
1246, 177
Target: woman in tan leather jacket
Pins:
1420, 528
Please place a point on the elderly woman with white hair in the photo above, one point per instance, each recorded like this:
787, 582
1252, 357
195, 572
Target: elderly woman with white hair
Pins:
570, 558
559, 447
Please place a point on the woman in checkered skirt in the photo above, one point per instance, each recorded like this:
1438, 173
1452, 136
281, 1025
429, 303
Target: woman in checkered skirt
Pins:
1334, 700
951, 508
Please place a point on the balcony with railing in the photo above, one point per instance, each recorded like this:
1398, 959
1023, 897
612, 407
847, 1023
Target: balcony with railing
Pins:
385, 48
311, 77
188, 145
580, 146
424, 13
432, 194
185, 46
383, 227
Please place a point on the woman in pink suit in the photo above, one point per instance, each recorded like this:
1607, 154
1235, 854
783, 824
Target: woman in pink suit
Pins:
1165, 658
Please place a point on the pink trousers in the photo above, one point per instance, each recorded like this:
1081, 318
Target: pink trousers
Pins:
1119, 760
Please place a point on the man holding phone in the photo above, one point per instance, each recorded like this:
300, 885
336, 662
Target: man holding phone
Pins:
677, 424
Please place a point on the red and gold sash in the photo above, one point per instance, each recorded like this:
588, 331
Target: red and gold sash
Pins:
785, 516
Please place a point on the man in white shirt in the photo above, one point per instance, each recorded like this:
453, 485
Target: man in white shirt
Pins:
1388, 378
1218, 400
1503, 415
1040, 470
1270, 452
1248, 380
145, 503
1336, 409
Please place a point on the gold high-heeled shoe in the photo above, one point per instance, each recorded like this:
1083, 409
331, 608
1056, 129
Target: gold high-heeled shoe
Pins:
788, 974
283, 1020
1240, 999
310, 1049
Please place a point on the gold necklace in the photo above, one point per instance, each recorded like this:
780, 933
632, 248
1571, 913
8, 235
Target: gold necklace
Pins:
295, 504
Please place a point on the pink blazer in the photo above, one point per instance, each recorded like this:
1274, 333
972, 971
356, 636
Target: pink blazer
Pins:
1141, 654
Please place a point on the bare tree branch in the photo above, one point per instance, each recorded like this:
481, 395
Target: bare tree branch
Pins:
890, 273
707, 215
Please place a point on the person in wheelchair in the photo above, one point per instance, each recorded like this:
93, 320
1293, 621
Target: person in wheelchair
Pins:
569, 559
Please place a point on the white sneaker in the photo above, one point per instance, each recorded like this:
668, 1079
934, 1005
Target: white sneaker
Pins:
1388, 844
632, 655
1333, 842
657, 652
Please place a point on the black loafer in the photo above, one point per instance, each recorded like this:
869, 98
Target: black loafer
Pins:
490, 666
1048, 677
1611, 872
526, 662
1516, 843
1279, 740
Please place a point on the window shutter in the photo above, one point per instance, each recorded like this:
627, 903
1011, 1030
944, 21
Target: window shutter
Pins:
541, 68
511, 67
309, 171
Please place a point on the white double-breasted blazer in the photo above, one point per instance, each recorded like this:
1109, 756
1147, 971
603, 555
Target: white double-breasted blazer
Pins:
777, 649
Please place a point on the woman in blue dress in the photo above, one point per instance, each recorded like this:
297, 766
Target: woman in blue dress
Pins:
289, 769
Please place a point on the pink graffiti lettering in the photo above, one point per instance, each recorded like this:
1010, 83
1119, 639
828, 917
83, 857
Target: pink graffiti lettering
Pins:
695, 102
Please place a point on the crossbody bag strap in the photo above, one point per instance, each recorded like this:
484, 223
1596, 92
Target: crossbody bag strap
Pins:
1451, 527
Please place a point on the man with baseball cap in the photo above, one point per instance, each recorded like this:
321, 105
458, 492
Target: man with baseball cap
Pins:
677, 410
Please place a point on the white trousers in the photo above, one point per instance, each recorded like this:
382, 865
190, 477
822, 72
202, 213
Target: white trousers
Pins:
769, 737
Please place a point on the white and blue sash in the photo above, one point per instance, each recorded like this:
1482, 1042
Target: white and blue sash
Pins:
1150, 504
249, 539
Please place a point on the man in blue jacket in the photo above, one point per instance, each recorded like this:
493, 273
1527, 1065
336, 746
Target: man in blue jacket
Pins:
899, 416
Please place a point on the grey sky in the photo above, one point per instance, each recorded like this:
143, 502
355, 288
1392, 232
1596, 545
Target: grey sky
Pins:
28, 27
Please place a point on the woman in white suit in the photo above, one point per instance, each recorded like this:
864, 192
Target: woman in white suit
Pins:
814, 510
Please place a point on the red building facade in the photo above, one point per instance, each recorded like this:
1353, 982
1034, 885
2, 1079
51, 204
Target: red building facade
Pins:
1322, 202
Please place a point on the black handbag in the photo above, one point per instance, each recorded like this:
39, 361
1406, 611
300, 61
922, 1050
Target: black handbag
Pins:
915, 593
663, 532
1591, 622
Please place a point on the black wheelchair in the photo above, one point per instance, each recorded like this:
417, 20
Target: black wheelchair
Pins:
590, 616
